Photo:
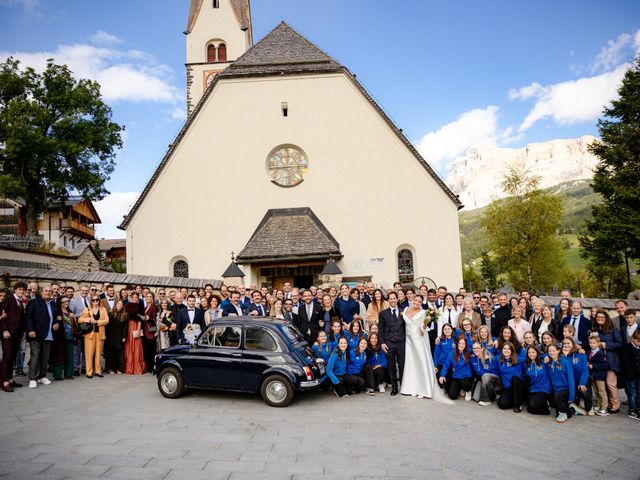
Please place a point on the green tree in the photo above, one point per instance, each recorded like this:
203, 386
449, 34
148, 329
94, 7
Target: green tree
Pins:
612, 237
489, 271
522, 231
56, 137
470, 278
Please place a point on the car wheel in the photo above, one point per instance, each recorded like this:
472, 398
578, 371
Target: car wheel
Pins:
170, 383
277, 391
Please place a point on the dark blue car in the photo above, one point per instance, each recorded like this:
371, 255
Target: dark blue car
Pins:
242, 354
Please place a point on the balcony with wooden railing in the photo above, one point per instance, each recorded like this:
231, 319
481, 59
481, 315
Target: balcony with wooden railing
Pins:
78, 228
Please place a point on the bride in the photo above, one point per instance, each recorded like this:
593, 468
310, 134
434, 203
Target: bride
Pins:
419, 376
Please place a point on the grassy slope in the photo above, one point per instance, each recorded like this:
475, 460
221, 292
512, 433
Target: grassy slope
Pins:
577, 199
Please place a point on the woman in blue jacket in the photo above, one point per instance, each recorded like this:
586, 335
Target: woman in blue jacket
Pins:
486, 340
337, 367
461, 378
336, 334
469, 334
611, 343
513, 387
540, 386
561, 376
321, 348
358, 372
444, 346
483, 366
354, 335
377, 360
582, 382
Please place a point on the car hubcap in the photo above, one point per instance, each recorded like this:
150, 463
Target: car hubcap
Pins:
169, 383
276, 391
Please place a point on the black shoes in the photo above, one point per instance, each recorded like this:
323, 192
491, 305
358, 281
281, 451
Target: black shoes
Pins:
394, 391
15, 384
517, 409
99, 375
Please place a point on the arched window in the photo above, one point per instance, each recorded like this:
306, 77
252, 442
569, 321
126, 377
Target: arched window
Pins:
405, 266
222, 52
211, 53
181, 269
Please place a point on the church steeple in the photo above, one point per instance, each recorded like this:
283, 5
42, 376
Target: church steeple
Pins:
218, 32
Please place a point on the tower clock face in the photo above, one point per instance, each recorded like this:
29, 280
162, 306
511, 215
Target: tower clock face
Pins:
287, 165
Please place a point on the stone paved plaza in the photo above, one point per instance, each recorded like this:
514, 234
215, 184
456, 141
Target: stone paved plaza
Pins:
121, 427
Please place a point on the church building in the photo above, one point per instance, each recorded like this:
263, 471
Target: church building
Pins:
287, 161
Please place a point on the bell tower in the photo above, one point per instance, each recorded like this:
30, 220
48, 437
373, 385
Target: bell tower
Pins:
218, 32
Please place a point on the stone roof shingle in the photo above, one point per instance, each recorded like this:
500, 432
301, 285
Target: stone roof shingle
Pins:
289, 233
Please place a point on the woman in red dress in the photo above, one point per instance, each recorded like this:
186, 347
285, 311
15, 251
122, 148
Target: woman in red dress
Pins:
133, 355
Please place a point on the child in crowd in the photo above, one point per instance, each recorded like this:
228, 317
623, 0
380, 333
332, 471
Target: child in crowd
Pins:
632, 370
598, 371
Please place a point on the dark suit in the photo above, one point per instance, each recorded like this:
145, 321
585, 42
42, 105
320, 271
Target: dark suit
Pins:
366, 299
183, 321
230, 308
502, 316
623, 330
310, 324
14, 324
584, 327
262, 311
39, 320
391, 330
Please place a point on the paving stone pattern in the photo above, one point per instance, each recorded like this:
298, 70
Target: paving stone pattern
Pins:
121, 427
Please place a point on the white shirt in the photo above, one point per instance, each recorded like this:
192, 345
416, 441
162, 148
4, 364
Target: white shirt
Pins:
630, 329
238, 309
192, 314
447, 316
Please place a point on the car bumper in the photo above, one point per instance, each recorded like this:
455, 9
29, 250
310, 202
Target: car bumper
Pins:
309, 384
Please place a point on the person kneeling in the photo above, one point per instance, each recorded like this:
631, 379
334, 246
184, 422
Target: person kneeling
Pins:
337, 367
513, 386
540, 389
561, 376
461, 378
357, 371
377, 360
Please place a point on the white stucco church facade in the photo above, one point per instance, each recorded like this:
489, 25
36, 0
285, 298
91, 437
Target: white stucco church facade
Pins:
290, 162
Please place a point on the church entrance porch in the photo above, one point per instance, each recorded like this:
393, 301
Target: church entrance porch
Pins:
301, 275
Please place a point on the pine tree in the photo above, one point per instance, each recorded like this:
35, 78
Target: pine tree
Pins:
612, 237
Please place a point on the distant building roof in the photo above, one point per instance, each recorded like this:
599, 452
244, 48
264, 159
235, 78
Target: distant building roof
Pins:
110, 244
289, 233
233, 270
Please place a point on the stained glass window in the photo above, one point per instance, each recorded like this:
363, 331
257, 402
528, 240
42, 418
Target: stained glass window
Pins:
405, 266
287, 166
181, 269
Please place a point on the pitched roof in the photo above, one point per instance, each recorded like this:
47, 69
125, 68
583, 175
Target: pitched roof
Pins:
108, 244
282, 50
233, 271
289, 233
241, 9
283, 40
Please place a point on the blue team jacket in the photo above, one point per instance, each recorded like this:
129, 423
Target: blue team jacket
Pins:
442, 351
539, 377
322, 351
356, 362
561, 376
336, 367
580, 366
490, 366
353, 340
508, 371
460, 368
467, 337
377, 358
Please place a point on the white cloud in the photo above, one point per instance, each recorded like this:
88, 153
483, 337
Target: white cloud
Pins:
475, 128
179, 113
111, 210
573, 101
105, 38
29, 6
614, 52
124, 75
530, 91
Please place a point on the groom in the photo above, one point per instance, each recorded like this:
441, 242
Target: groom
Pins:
392, 336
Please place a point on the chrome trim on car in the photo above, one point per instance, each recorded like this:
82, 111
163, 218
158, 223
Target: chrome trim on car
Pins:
309, 384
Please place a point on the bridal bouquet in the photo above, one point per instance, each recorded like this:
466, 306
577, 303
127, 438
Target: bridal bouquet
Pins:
191, 332
431, 316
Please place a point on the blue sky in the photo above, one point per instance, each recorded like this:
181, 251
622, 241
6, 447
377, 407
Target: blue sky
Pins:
452, 75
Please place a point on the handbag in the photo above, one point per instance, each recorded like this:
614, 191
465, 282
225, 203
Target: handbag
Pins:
85, 328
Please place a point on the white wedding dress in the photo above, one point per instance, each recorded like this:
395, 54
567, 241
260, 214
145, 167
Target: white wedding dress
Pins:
419, 374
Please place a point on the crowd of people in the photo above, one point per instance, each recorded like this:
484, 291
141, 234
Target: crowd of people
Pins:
423, 342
